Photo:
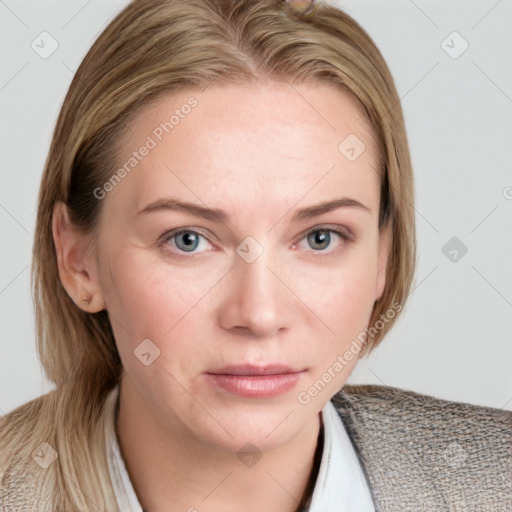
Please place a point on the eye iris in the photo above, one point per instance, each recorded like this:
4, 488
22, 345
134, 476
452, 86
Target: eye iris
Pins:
187, 241
319, 238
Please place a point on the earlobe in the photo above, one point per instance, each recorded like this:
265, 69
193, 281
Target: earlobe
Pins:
77, 271
385, 237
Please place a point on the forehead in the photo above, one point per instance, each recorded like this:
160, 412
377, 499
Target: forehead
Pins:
250, 145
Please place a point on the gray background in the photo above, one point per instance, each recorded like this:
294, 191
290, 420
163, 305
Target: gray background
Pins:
454, 340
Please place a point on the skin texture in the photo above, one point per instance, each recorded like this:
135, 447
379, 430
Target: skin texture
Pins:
260, 153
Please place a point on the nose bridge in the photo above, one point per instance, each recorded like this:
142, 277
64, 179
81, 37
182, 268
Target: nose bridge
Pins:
256, 298
255, 277
257, 285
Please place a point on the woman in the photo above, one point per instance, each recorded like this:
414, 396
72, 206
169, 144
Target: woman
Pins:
225, 226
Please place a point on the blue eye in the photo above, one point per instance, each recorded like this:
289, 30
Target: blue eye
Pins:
322, 238
187, 240
319, 239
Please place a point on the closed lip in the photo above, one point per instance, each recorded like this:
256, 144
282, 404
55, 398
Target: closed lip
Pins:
255, 370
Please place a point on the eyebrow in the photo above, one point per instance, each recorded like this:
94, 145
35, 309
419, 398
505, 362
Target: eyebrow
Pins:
170, 204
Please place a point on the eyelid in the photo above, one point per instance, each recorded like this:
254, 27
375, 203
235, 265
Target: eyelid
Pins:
176, 231
343, 231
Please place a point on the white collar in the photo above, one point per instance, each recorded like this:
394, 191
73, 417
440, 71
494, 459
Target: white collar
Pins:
340, 485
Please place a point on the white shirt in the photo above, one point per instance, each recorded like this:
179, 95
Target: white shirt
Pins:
340, 484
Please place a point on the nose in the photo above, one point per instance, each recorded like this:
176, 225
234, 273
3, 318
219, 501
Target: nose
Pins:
256, 300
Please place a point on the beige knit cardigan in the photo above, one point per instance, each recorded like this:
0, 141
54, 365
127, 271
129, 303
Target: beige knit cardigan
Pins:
419, 454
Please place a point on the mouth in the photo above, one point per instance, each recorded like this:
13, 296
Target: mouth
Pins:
256, 381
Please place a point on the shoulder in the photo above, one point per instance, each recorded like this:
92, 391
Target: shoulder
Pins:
12, 428
403, 405
420, 449
20, 475
44, 442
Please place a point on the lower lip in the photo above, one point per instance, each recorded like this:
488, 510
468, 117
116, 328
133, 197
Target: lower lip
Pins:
257, 386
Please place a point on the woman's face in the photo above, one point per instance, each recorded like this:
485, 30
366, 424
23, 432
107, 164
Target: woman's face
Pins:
243, 240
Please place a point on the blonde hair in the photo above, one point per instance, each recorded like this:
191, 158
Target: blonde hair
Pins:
154, 47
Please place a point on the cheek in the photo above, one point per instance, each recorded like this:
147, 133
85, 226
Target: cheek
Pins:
342, 294
147, 297
345, 309
343, 299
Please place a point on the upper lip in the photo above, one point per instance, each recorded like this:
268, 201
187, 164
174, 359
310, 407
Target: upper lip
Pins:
251, 369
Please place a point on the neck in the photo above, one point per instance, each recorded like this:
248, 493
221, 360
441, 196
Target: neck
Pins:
169, 470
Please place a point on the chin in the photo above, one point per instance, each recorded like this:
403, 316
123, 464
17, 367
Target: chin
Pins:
266, 425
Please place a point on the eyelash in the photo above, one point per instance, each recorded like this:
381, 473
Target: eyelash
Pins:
344, 236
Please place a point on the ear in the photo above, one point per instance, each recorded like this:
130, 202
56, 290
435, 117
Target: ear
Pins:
385, 237
77, 268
